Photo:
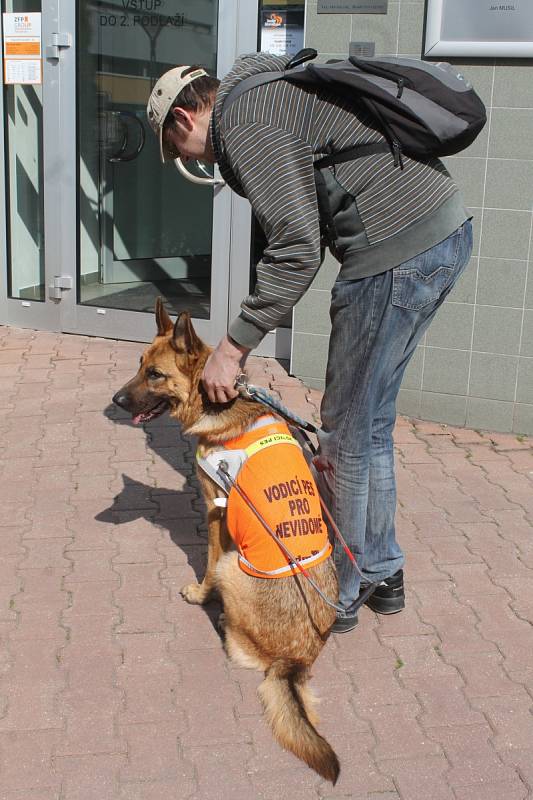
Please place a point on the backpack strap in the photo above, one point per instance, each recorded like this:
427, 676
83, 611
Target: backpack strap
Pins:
351, 153
328, 231
251, 82
261, 78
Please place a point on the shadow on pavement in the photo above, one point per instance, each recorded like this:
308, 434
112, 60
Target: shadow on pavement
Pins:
179, 511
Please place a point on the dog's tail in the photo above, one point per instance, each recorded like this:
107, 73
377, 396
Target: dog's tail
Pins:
288, 709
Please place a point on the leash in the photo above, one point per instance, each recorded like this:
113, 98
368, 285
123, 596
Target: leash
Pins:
293, 562
305, 427
260, 394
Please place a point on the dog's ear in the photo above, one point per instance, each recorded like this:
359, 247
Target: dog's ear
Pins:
163, 321
185, 338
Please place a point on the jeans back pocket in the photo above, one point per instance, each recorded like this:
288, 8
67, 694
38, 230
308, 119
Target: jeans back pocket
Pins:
424, 278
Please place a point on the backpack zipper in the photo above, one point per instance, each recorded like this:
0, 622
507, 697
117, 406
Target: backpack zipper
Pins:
382, 72
397, 153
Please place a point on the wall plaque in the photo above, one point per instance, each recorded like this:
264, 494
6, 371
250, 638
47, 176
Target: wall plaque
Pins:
362, 49
352, 6
498, 28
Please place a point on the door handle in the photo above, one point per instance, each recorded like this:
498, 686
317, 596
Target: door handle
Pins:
121, 156
122, 149
209, 181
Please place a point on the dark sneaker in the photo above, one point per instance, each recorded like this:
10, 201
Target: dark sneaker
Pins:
344, 624
388, 597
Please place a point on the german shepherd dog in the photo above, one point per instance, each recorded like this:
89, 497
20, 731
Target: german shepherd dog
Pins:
277, 626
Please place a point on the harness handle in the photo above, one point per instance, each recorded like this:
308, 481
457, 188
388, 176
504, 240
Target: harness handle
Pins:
260, 394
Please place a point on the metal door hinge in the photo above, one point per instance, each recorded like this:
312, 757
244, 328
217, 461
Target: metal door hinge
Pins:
56, 289
57, 41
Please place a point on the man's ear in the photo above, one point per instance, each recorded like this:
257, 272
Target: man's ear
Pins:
183, 117
185, 338
163, 321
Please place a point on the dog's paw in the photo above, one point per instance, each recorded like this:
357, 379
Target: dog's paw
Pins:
194, 593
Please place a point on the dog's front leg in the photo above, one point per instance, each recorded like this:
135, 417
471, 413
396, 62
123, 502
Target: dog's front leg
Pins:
218, 542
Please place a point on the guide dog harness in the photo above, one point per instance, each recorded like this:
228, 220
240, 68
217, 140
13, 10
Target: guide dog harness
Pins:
269, 467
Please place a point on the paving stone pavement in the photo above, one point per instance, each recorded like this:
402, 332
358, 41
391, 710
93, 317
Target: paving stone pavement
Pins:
113, 688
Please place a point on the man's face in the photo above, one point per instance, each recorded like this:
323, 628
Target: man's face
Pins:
187, 137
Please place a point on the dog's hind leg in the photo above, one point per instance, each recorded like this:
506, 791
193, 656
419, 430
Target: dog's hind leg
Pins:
242, 651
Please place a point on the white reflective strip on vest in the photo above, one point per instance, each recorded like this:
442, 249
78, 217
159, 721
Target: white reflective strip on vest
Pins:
261, 422
282, 570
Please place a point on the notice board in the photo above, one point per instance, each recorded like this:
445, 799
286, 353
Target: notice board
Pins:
22, 48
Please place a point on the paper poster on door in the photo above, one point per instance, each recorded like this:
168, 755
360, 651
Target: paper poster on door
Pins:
22, 48
282, 31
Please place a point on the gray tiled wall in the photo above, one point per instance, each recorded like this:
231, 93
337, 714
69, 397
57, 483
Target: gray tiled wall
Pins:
475, 365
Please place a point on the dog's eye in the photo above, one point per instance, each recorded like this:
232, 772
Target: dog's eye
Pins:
155, 374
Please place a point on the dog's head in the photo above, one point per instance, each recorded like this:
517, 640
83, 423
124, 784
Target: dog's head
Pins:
169, 373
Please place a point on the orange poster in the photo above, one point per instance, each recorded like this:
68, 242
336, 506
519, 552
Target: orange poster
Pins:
23, 49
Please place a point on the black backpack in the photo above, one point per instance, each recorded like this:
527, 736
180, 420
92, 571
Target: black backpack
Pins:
422, 108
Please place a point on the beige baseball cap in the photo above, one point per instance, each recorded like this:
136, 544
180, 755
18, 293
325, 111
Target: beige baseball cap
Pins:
162, 97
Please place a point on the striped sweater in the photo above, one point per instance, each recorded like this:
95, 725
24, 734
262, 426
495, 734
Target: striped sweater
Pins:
265, 144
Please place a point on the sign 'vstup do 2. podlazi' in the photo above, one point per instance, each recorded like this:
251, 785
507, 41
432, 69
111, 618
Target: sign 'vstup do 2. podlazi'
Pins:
352, 6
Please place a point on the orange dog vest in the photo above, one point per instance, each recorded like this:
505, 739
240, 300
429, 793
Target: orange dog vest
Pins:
275, 477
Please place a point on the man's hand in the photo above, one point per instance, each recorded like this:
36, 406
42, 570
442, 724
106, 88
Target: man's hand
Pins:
221, 370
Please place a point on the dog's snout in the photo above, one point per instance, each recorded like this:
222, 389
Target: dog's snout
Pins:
122, 400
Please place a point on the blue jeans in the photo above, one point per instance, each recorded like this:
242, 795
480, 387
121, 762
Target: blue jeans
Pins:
376, 324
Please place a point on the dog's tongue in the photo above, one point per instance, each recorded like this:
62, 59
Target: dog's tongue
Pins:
137, 419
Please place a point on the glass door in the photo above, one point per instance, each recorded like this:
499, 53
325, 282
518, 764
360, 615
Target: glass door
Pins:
143, 230
101, 227
26, 273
